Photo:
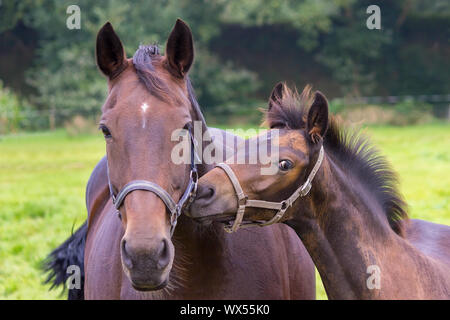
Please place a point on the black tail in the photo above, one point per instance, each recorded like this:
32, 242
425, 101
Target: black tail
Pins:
71, 252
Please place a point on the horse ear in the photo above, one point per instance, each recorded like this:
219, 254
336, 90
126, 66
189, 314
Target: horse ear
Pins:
110, 55
317, 124
276, 95
180, 49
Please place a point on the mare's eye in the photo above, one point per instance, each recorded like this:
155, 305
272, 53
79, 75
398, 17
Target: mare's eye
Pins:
285, 165
105, 131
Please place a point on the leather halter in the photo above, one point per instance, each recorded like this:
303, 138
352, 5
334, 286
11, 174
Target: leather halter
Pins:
281, 207
175, 209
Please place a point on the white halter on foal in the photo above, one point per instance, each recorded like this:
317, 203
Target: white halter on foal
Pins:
282, 206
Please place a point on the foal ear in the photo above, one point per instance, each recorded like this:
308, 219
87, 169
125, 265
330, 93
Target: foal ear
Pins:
276, 95
317, 124
180, 49
111, 57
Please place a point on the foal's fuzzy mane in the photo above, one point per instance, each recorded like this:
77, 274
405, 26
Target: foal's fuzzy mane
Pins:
352, 149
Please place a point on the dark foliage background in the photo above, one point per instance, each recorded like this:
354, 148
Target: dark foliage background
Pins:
243, 47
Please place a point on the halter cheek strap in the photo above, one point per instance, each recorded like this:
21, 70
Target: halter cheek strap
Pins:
281, 207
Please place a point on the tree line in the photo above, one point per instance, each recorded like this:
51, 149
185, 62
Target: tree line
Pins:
242, 48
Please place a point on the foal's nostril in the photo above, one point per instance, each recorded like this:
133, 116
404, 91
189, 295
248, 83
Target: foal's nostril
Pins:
125, 255
163, 254
205, 193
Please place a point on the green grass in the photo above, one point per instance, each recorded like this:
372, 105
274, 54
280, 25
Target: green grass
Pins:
43, 177
42, 197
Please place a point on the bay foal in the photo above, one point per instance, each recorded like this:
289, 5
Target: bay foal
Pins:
352, 221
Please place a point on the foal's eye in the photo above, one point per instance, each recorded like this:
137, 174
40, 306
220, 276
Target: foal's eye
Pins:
285, 165
105, 131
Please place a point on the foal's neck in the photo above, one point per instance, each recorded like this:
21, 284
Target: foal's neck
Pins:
344, 230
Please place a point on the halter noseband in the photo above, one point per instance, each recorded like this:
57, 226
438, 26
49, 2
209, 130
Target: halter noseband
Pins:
174, 208
281, 207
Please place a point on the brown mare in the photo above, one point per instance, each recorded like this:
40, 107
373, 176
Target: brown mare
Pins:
352, 221
149, 97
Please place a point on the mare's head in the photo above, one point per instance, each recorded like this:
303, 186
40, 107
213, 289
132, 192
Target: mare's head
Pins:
149, 97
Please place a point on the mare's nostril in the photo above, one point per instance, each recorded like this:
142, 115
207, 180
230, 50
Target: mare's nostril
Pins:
126, 259
163, 254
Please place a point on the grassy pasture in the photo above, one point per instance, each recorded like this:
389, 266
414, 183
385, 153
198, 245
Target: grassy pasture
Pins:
43, 176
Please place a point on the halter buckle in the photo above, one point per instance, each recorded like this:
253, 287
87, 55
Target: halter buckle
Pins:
194, 175
284, 206
194, 178
242, 201
172, 227
174, 215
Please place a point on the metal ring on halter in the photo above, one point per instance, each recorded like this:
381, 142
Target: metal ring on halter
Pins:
281, 207
175, 208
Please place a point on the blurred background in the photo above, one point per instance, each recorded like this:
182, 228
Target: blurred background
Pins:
395, 82
243, 48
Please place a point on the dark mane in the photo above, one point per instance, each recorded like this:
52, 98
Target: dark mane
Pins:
143, 60
352, 149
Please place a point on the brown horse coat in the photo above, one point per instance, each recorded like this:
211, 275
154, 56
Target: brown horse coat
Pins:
150, 97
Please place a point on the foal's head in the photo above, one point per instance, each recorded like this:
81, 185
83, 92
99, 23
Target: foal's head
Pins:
304, 130
149, 97
298, 152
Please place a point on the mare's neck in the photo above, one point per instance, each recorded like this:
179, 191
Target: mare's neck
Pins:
345, 231
194, 242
